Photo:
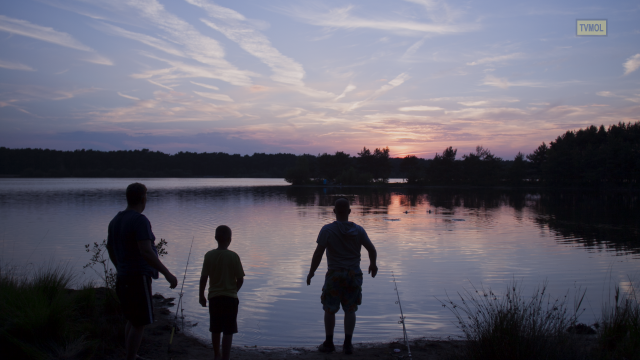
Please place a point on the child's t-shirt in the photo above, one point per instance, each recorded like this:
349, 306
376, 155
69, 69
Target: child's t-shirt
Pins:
222, 267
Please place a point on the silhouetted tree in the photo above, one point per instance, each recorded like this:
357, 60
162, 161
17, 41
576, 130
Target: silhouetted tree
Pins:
300, 174
443, 169
377, 163
331, 166
518, 169
481, 167
537, 158
410, 167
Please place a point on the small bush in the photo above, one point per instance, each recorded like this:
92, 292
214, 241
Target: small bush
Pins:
514, 326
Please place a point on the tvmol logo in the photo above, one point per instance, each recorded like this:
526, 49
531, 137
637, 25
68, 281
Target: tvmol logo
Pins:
591, 27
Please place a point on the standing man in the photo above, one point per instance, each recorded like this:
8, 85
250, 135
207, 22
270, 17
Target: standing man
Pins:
343, 283
132, 250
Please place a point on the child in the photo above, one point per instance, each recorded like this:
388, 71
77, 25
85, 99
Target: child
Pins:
223, 269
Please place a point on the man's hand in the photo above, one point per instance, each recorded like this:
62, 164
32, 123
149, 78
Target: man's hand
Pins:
309, 278
373, 270
173, 281
203, 301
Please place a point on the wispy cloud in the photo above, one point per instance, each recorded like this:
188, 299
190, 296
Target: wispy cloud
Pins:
342, 18
214, 96
494, 59
606, 94
473, 103
237, 28
128, 96
15, 66
438, 11
413, 48
97, 59
25, 28
420, 108
195, 45
181, 70
399, 80
210, 87
145, 39
504, 83
347, 90
632, 64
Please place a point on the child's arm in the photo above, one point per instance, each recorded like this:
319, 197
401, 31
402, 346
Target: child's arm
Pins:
203, 285
239, 282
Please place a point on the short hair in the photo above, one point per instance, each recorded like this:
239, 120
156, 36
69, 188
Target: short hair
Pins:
222, 232
136, 193
342, 203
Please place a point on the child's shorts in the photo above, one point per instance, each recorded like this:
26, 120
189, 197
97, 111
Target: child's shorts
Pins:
223, 312
342, 287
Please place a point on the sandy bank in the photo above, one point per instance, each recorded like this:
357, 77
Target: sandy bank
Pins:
185, 347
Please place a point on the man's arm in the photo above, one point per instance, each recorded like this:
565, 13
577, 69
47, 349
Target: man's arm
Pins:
112, 255
373, 255
203, 285
146, 250
239, 282
315, 262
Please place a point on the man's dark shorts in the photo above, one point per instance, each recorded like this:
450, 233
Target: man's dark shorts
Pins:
342, 287
134, 293
223, 312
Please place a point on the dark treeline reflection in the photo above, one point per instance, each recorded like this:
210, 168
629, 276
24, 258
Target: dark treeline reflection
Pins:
597, 220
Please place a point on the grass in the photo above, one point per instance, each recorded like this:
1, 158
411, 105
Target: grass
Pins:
42, 318
514, 326
619, 327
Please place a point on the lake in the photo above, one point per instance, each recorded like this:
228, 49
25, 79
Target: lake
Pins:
437, 241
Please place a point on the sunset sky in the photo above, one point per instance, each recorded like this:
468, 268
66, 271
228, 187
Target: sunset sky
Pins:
312, 76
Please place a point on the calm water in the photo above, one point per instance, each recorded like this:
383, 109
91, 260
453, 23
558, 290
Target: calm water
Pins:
470, 237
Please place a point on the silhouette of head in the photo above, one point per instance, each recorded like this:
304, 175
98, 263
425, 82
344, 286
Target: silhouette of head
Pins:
342, 209
223, 234
136, 194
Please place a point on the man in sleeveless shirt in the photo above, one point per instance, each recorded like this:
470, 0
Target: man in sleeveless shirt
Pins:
343, 241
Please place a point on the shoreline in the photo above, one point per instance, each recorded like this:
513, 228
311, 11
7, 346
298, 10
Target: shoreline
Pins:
188, 347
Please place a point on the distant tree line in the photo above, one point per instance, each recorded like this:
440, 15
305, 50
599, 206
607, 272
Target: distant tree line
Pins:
140, 163
587, 157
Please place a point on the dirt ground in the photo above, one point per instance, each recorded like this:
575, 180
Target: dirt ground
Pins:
184, 347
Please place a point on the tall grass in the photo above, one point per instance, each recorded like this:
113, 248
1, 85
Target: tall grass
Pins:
514, 326
41, 318
619, 327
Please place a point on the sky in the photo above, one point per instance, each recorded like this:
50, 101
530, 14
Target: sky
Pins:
312, 76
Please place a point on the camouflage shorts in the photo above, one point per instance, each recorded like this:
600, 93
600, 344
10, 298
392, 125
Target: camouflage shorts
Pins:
342, 287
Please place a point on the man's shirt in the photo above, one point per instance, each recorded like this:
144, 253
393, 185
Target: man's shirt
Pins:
125, 230
343, 240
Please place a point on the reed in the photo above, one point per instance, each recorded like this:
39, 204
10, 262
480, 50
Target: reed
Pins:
619, 326
514, 326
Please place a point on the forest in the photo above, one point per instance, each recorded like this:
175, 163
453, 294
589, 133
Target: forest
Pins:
592, 157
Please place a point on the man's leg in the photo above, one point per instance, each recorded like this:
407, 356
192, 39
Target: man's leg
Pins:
127, 329
329, 325
349, 326
133, 340
226, 346
215, 340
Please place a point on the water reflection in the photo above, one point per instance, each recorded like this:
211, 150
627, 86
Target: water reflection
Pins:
435, 240
603, 221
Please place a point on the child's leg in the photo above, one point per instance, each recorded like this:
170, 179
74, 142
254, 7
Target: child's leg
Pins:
215, 340
226, 346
